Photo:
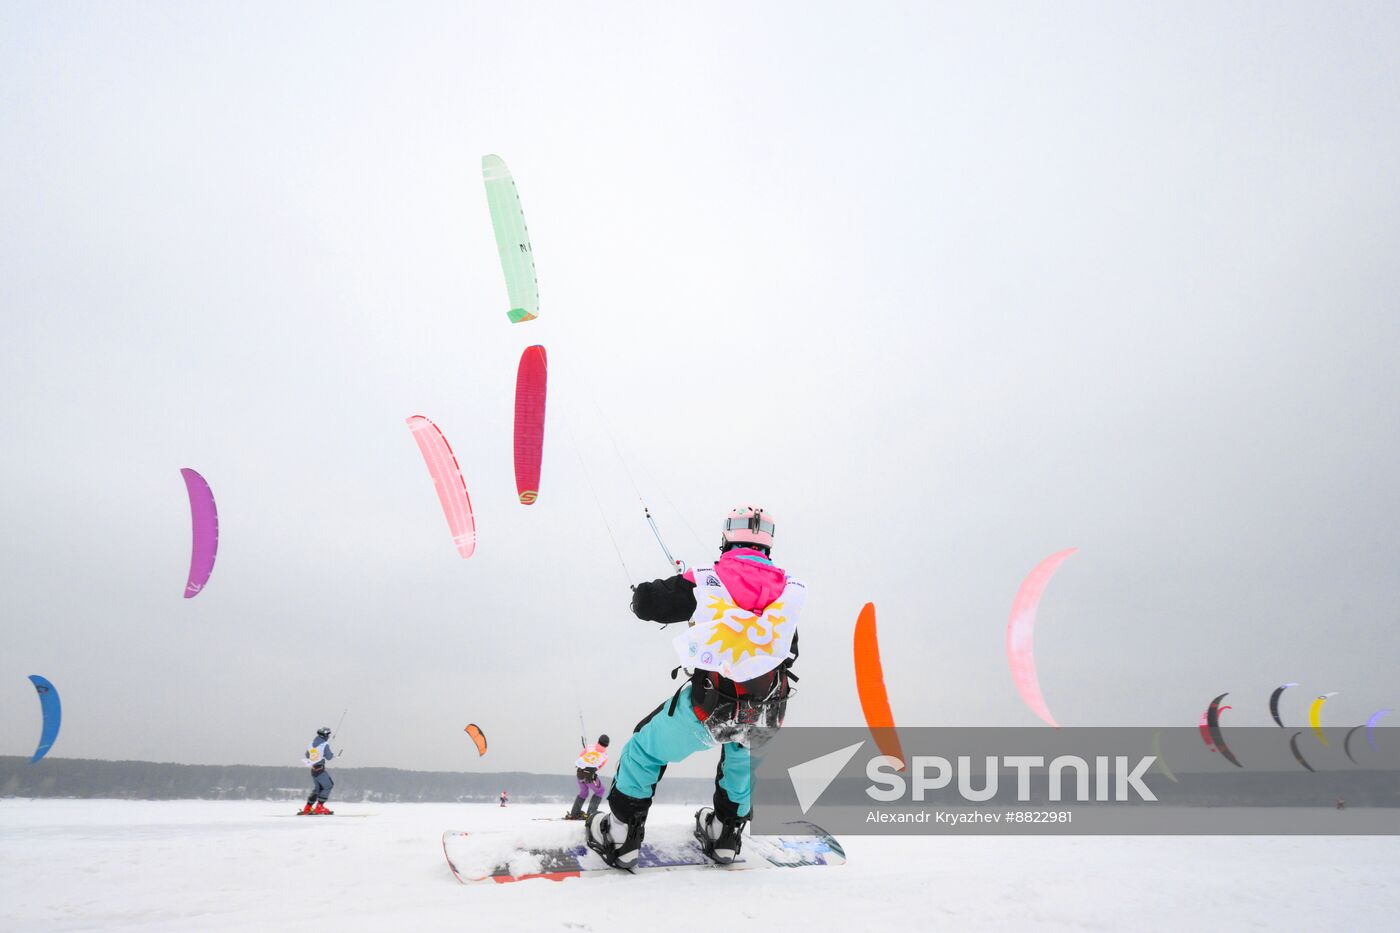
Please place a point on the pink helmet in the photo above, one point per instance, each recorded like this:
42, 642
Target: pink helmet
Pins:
748, 526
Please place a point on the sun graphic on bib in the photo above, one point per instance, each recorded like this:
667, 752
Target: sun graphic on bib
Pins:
741, 642
720, 605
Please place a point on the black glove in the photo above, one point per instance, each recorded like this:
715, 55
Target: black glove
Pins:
665, 601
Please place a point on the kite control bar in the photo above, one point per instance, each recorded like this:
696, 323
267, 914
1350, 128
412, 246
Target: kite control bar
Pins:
677, 565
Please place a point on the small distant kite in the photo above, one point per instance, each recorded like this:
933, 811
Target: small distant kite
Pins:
1204, 726
204, 521
1020, 634
1161, 763
1371, 727
512, 240
531, 379
1346, 742
1273, 702
477, 736
870, 686
52, 711
447, 479
1213, 724
1315, 716
1293, 744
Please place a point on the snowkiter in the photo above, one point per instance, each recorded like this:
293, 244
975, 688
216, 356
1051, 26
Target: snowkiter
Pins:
504, 798
590, 786
317, 754
738, 647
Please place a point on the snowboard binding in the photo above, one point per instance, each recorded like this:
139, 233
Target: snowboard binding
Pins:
719, 840
601, 838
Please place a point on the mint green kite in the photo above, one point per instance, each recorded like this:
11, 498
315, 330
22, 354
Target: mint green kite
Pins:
512, 240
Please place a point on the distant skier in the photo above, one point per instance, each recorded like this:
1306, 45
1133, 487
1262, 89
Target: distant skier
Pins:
317, 754
1341, 803
740, 643
504, 798
590, 786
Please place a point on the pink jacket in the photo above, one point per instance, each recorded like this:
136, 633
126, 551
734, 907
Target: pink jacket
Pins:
749, 577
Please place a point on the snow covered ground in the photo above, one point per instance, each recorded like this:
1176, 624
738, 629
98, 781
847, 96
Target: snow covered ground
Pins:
183, 865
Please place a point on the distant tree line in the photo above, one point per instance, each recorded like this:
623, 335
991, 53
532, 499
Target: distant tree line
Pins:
148, 780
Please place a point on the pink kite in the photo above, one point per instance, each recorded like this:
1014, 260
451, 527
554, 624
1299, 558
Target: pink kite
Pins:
447, 479
530, 382
1020, 634
204, 521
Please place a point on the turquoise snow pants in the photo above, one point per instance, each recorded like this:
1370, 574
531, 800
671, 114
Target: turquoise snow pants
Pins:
662, 739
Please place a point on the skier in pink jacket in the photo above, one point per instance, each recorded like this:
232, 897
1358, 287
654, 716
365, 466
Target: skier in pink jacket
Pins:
590, 787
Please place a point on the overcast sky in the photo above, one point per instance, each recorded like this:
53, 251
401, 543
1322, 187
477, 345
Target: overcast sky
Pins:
944, 287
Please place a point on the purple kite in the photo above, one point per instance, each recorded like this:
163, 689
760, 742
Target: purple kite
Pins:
204, 519
1371, 728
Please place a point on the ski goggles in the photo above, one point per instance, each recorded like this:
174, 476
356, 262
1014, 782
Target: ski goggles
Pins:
755, 522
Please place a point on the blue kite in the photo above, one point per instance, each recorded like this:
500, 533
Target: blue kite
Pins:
53, 715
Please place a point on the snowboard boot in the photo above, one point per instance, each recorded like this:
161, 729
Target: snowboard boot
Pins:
577, 812
593, 804
719, 840
321, 810
305, 811
619, 843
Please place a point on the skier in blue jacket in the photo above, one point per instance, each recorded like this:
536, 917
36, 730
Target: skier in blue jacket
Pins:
317, 754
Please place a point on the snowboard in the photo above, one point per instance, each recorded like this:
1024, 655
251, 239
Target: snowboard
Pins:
559, 852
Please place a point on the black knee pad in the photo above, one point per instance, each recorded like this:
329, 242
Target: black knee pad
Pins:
629, 810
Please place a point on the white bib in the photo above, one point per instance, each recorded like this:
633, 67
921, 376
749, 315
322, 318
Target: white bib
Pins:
594, 756
738, 644
313, 755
